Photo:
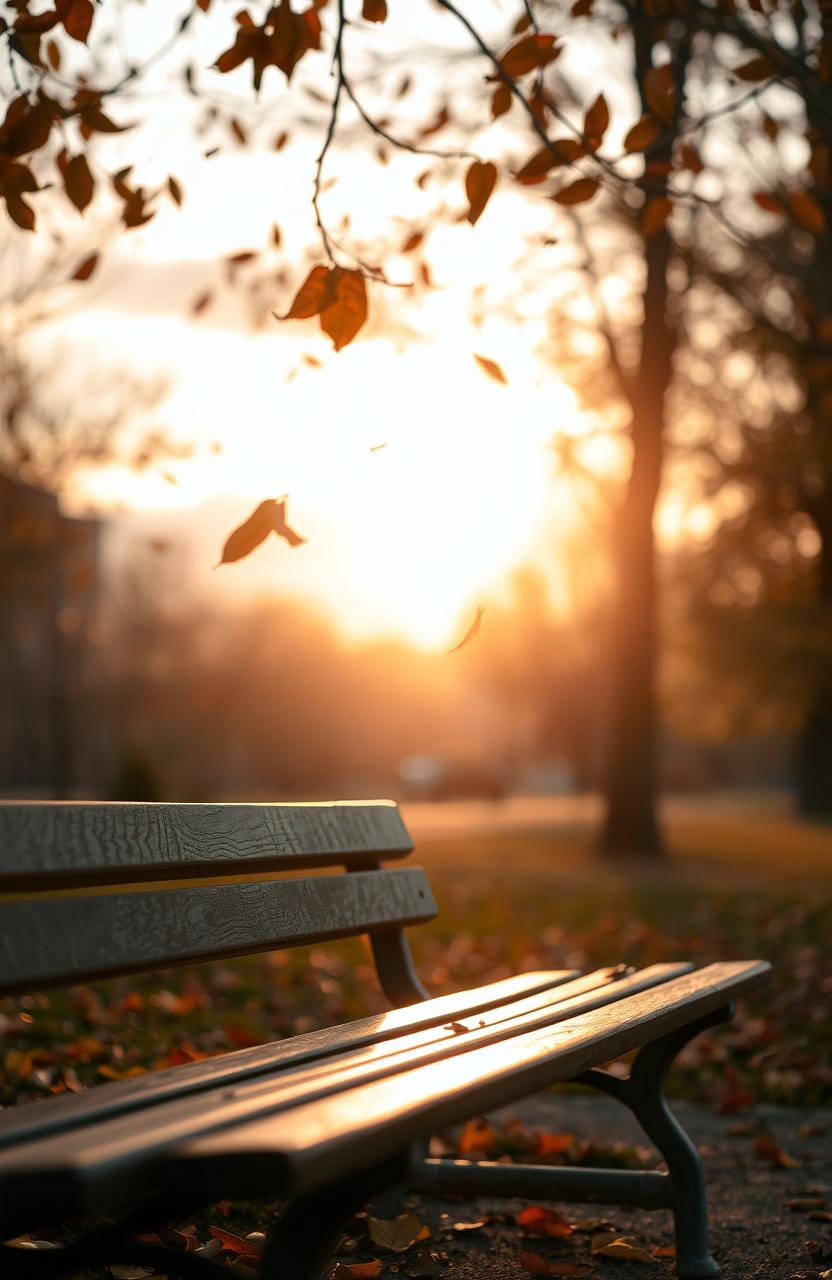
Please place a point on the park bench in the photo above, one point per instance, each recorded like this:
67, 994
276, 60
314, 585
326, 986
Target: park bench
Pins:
327, 1118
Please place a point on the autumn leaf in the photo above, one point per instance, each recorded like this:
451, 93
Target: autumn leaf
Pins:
624, 1249
643, 133
689, 158
374, 10
310, 297
78, 182
476, 1135
201, 302
346, 311
472, 631
480, 181
558, 152
500, 101
529, 54
539, 1220
577, 192
767, 1149
358, 1270
86, 267
553, 1144
491, 368
654, 215
76, 16
396, 1234
268, 517
175, 190
281, 41
232, 1243
536, 1265
768, 202
596, 121
660, 92
759, 68
806, 211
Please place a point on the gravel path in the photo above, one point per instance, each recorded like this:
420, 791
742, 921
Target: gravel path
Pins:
755, 1234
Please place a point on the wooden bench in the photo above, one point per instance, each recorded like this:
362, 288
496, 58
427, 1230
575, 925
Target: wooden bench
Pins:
325, 1118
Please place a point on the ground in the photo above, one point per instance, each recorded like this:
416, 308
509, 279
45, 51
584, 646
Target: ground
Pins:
518, 888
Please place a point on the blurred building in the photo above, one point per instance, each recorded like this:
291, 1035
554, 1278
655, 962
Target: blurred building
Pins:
49, 584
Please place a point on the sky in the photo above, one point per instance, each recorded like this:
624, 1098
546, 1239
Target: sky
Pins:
420, 483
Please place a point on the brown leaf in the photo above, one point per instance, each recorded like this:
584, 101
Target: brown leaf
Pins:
358, 1270
767, 1149
472, 631
553, 1144
759, 68
806, 211
529, 53
86, 267
268, 517
560, 151
345, 311
491, 368
175, 190
689, 158
310, 297
539, 1220
768, 202
396, 1234
577, 192
78, 182
596, 121
654, 215
199, 304
624, 1249
660, 92
374, 10
480, 181
536, 1265
500, 101
232, 1243
76, 16
643, 133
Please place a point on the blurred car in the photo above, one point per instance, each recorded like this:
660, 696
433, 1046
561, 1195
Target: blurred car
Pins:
431, 778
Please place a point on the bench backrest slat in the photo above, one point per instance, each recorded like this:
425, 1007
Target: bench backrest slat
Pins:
46, 941
58, 845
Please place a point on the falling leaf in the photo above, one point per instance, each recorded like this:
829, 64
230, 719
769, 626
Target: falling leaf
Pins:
396, 1234
806, 211
374, 10
338, 296
624, 1249
536, 1265
472, 631
577, 192
86, 267
480, 181
458, 1027
768, 202
541, 1221
655, 214
312, 361
376, 448
767, 1149
268, 517
175, 190
491, 368
232, 1243
76, 16
643, 133
199, 304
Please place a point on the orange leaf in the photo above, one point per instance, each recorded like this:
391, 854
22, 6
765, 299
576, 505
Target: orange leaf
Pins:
476, 1134
374, 10
554, 1144
806, 211
344, 315
654, 215
310, 297
541, 1221
529, 53
536, 1265
76, 16
643, 133
577, 192
86, 267
660, 92
472, 631
232, 1243
491, 368
500, 101
358, 1270
268, 517
480, 181
768, 1150
768, 202
199, 304
596, 120
560, 151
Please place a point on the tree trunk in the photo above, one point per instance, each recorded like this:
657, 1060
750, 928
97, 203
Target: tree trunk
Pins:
631, 827
813, 764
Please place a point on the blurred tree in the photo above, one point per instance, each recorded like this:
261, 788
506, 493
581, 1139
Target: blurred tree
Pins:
670, 53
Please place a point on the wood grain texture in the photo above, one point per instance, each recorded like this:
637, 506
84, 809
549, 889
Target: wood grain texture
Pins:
297, 1148
134, 1135
64, 940
57, 845
22, 1124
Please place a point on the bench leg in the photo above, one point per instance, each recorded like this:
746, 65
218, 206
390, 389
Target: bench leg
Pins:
307, 1231
681, 1189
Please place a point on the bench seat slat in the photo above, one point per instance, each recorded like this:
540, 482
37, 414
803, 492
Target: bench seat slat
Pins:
112, 1098
60, 845
63, 940
116, 1156
309, 1145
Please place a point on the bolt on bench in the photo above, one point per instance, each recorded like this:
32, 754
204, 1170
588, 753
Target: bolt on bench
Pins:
325, 1118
